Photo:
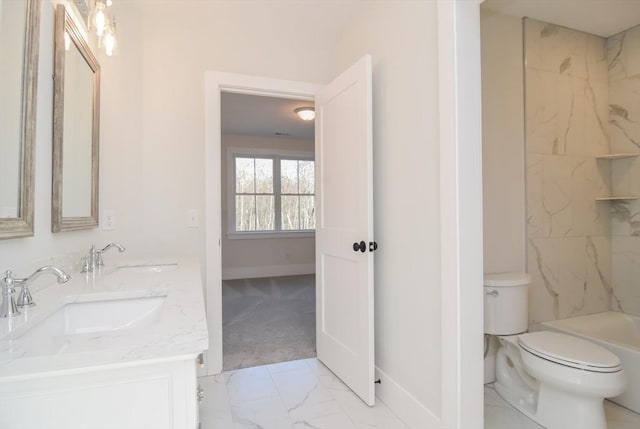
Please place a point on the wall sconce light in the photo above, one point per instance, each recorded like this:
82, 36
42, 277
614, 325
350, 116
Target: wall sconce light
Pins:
109, 40
98, 19
306, 113
104, 26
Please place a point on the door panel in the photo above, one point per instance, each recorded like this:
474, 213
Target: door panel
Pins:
344, 207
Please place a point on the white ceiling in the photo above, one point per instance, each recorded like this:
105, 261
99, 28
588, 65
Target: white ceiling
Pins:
263, 116
600, 17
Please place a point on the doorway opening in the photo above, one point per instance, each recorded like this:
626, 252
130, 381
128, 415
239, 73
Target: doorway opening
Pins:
344, 211
268, 230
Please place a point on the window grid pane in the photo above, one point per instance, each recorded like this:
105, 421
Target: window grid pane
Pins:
290, 213
245, 213
264, 176
289, 176
306, 177
265, 219
307, 212
245, 175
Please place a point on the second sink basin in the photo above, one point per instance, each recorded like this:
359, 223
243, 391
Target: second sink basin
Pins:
149, 268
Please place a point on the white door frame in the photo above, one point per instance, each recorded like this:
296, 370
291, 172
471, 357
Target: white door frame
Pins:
461, 214
216, 83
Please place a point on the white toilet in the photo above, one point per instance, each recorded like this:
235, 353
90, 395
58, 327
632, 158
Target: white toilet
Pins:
558, 380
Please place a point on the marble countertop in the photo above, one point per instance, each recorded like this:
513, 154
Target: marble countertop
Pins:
177, 330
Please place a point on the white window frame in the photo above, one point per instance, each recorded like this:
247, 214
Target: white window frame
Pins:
277, 155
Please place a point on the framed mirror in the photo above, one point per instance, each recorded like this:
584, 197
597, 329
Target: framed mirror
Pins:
18, 88
76, 116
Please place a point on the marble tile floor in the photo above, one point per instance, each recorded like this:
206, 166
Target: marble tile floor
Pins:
498, 414
304, 394
300, 394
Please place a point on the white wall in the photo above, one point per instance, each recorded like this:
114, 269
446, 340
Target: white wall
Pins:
503, 151
260, 257
402, 39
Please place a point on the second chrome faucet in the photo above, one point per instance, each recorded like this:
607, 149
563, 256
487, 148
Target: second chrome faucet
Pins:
93, 260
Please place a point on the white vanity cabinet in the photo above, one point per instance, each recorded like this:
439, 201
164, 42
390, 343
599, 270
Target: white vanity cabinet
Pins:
112, 350
144, 395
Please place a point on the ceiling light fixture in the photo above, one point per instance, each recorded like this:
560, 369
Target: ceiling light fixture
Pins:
306, 113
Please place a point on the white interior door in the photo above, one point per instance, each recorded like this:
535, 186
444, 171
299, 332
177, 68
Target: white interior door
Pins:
344, 229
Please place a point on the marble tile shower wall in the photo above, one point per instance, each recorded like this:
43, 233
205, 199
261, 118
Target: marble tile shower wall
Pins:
567, 125
624, 98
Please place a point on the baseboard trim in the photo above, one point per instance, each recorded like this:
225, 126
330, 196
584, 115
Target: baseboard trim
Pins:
414, 414
234, 273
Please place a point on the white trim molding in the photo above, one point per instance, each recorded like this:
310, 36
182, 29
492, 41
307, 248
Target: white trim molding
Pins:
413, 413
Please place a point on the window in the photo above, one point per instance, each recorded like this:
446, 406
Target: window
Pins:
272, 193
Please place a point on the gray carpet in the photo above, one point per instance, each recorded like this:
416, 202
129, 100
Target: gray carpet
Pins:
268, 320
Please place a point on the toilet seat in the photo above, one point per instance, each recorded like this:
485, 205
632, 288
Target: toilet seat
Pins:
569, 351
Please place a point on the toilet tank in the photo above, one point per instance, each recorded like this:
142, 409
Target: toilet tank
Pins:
506, 303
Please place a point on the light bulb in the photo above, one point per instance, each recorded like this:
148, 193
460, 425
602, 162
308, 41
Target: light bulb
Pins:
109, 40
99, 20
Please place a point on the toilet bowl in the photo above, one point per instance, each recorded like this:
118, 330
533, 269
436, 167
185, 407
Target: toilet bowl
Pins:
557, 380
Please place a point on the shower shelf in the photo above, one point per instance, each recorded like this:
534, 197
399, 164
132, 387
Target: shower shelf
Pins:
619, 198
618, 156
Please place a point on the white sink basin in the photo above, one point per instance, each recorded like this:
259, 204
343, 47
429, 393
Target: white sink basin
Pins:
99, 316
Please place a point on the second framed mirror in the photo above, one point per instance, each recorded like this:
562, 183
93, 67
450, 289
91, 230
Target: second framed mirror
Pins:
76, 117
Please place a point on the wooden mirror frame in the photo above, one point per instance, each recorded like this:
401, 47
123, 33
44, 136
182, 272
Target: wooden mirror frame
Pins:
64, 22
22, 226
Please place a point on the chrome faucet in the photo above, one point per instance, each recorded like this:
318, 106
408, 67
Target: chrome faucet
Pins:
9, 282
94, 259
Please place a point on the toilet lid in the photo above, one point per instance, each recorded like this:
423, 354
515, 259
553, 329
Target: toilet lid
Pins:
570, 351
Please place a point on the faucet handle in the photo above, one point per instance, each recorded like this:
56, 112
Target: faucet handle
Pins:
85, 264
9, 308
24, 298
8, 280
